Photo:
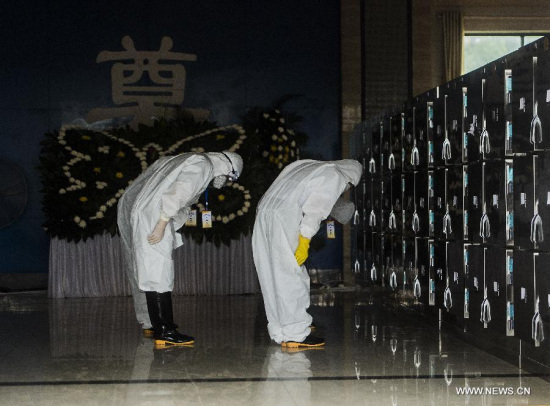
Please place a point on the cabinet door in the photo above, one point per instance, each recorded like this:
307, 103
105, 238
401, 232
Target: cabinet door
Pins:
422, 261
523, 293
377, 267
476, 256
407, 205
522, 102
455, 202
523, 200
394, 161
408, 263
542, 98
495, 281
455, 279
374, 219
420, 133
409, 135
542, 282
454, 109
437, 202
439, 126
494, 109
376, 148
474, 110
437, 271
495, 201
392, 263
542, 197
475, 201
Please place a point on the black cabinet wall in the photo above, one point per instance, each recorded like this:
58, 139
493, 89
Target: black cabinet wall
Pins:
455, 200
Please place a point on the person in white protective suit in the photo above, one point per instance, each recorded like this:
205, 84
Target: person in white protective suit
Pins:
150, 212
288, 216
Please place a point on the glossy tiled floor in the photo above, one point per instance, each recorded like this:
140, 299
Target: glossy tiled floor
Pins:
90, 351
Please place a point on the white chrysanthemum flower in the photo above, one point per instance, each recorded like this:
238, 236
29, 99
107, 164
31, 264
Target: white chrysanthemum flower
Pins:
72, 180
274, 137
282, 120
103, 208
87, 158
68, 174
246, 204
82, 224
232, 216
65, 168
76, 219
63, 142
247, 196
266, 115
293, 143
280, 148
225, 219
280, 165
218, 218
62, 191
99, 215
281, 129
241, 188
239, 213
265, 154
285, 138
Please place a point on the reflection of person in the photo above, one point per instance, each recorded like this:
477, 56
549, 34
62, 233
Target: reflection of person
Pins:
288, 216
150, 211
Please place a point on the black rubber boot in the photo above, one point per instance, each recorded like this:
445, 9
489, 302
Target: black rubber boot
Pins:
159, 306
309, 341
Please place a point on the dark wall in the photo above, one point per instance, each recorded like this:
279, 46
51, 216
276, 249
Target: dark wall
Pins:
386, 59
249, 53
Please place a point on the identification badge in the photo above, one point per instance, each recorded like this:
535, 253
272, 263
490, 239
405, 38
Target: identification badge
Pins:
207, 219
331, 231
191, 219
522, 103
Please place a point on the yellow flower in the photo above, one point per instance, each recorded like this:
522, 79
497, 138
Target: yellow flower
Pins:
86, 137
221, 198
119, 175
83, 199
273, 148
121, 154
97, 170
220, 137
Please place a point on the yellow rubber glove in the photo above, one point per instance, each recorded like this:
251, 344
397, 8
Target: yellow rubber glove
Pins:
301, 253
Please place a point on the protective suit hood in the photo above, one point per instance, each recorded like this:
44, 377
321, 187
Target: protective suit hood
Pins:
226, 163
351, 170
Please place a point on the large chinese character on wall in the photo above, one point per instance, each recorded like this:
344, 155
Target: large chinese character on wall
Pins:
146, 85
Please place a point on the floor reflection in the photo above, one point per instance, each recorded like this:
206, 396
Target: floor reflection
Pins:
63, 351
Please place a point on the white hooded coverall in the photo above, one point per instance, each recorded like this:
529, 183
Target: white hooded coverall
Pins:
169, 186
297, 202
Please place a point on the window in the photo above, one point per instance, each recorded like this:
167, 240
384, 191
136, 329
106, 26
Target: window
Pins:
479, 50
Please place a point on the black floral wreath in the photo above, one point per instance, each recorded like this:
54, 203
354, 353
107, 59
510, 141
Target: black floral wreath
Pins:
84, 172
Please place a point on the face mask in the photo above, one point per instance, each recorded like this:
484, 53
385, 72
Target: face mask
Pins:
219, 181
